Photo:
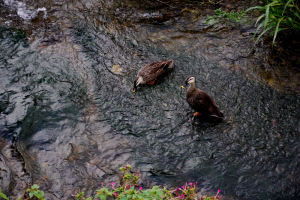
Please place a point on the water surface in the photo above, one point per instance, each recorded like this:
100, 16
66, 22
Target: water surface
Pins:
69, 119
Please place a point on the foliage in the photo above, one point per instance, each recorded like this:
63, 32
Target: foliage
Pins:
233, 16
278, 15
3, 195
35, 192
129, 189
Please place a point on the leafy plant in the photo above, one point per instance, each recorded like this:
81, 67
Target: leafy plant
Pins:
3, 195
233, 16
129, 189
278, 15
35, 192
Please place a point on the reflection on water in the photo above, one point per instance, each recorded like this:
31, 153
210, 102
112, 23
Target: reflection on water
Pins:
69, 119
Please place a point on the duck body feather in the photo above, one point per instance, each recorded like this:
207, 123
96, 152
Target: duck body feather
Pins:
201, 102
150, 72
153, 70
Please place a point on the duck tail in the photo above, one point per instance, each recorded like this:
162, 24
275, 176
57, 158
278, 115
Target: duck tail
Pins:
167, 64
218, 114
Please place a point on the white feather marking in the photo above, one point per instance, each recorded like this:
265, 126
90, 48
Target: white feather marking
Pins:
140, 80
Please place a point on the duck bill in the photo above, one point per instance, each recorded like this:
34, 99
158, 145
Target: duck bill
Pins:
134, 85
184, 85
134, 88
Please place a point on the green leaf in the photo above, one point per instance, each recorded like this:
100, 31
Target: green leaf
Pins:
35, 186
3, 195
30, 194
147, 192
155, 187
103, 197
277, 30
110, 194
259, 26
140, 196
267, 16
258, 19
256, 7
297, 14
124, 198
286, 6
104, 190
159, 192
38, 195
263, 33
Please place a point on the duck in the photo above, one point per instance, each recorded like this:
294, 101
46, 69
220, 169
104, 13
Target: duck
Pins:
149, 73
200, 101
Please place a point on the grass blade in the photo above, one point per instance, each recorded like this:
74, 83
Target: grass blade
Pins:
258, 19
267, 16
277, 30
297, 14
256, 7
286, 6
259, 26
262, 34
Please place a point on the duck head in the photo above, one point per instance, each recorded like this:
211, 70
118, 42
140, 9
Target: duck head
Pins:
189, 80
136, 82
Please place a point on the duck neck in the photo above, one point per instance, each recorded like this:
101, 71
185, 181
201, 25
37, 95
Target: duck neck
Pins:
192, 86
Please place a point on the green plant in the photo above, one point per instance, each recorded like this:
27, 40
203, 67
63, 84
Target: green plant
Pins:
2, 195
233, 16
35, 192
129, 189
278, 15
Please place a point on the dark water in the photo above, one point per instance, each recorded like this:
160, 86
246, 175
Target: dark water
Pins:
69, 119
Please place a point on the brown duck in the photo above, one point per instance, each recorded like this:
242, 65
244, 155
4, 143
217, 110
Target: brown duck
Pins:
200, 101
150, 72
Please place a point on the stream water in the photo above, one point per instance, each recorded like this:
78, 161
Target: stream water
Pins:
69, 119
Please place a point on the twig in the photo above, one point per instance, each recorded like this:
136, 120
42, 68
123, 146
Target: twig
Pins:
22, 197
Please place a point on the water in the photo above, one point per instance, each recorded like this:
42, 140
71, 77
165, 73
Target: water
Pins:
69, 119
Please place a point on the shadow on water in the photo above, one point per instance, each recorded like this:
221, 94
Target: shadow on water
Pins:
69, 119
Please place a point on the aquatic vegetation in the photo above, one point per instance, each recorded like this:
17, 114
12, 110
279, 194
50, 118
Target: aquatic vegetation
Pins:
220, 14
278, 15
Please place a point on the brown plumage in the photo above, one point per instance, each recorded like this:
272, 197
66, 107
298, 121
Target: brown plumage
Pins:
200, 101
150, 72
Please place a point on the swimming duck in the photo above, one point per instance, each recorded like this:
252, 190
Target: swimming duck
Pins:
200, 101
150, 72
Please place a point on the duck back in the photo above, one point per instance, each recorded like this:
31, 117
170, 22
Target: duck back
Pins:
152, 70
